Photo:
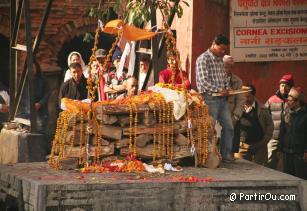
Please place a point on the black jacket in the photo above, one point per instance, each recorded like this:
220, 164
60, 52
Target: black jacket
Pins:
71, 90
293, 131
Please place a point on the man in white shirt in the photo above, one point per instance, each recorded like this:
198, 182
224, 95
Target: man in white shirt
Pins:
144, 67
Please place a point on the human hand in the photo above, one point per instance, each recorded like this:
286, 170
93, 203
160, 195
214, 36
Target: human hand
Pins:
37, 106
224, 93
4, 108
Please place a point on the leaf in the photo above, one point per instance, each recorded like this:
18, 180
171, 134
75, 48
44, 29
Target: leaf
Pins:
91, 12
87, 37
179, 11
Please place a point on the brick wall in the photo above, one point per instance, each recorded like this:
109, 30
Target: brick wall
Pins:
67, 19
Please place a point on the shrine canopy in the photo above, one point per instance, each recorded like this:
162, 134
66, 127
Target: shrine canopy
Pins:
129, 32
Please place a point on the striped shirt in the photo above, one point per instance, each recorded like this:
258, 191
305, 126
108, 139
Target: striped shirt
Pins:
210, 74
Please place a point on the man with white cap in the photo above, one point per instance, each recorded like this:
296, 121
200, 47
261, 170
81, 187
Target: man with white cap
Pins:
235, 102
293, 135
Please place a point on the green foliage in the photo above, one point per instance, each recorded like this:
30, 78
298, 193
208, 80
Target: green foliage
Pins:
88, 37
139, 11
136, 12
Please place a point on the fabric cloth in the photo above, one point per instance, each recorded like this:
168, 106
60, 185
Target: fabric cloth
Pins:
218, 109
84, 67
129, 32
123, 58
210, 74
165, 76
70, 89
178, 99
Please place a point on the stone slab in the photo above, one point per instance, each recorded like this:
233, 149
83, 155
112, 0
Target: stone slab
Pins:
43, 188
18, 147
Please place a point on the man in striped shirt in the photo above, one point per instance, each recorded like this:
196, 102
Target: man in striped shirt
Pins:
211, 78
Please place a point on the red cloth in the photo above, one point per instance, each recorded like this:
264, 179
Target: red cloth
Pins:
103, 82
165, 76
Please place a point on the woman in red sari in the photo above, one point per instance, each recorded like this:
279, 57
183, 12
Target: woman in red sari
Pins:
172, 75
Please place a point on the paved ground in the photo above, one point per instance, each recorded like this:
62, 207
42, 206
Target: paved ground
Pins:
45, 188
239, 170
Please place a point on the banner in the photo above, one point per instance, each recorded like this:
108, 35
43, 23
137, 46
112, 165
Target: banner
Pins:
268, 30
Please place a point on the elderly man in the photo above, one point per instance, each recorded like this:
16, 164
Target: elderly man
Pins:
235, 102
75, 88
293, 134
131, 87
212, 80
276, 105
256, 128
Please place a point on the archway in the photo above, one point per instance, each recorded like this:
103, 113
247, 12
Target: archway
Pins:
84, 48
4, 59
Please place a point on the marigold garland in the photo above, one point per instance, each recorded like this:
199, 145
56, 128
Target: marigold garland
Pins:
168, 144
135, 128
130, 128
72, 139
160, 131
172, 131
205, 128
154, 134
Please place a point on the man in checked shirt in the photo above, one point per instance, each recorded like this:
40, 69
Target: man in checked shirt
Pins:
210, 79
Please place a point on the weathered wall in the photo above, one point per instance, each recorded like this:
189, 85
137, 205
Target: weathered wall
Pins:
211, 17
184, 29
67, 20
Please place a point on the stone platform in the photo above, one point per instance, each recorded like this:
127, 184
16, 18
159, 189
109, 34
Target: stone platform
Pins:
34, 186
19, 147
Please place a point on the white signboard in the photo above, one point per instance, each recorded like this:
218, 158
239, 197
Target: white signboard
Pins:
268, 30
